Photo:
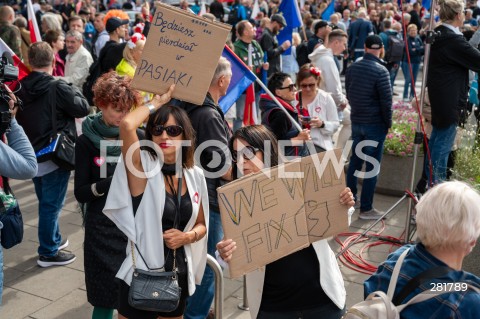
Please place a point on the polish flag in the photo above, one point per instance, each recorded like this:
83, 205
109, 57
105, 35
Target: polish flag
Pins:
22, 69
32, 23
250, 110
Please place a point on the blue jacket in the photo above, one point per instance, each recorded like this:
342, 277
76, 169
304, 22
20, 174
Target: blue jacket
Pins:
369, 93
415, 49
357, 33
462, 304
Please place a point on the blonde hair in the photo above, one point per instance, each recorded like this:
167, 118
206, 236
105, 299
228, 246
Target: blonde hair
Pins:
127, 52
448, 216
449, 9
412, 26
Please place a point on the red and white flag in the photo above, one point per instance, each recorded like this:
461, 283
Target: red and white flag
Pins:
203, 9
250, 110
22, 68
32, 23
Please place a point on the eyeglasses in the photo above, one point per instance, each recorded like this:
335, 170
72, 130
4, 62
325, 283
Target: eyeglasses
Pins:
308, 86
248, 153
172, 130
290, 87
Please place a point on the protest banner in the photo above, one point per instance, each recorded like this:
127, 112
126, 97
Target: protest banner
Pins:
272, 214
181, 49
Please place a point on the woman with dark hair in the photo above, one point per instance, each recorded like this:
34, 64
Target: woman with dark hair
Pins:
104, 244
57, 42
316, 107
282, 86
316, 290
145, 207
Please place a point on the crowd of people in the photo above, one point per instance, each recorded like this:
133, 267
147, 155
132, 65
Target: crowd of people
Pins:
79, 85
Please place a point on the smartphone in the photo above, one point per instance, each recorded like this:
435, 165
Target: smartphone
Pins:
306, 119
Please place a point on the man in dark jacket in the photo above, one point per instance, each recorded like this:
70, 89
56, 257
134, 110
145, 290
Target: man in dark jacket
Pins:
212, 136
36, 119
367, 83
357, 33
269, 43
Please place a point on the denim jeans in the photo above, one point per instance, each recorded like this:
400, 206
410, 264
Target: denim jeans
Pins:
51, 190
329, 311
393, 70
1, 267
440, 145
199, 303
408, 80
360, 133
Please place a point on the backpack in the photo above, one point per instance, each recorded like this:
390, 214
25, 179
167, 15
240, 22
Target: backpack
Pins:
233, 16
94, 72
395, 49
302, 54
379, 305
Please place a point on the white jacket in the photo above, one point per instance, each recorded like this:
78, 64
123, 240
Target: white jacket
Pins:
145, 228
322, 58
77, 66
324, 108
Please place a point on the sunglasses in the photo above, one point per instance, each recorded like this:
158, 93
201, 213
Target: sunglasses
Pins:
248, 153
308, 86
291, 87
172, 130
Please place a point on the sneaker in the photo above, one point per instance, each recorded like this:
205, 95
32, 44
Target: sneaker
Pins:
60, 259
63, 244
371, 214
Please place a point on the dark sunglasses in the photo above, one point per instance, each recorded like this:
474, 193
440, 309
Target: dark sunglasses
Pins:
248, 153
308, 86
172, 130
291, 87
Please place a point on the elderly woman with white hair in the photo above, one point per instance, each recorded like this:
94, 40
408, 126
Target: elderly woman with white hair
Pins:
448, 226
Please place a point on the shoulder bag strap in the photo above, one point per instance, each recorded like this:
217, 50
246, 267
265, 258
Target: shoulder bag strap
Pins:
418, 280
53, 106
396, 271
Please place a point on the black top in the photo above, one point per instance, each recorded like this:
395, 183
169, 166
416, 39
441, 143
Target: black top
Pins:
293, 283
111, 55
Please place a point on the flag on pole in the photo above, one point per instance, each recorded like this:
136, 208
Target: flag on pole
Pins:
203, 9
290, 11
328, 11
32, 23
242, 78
255, 10
250, 111
22, 68
427, 3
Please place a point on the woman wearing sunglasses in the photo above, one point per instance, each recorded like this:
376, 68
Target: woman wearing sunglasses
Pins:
104, 244
316, 289
316, 108
165, 232
282, 86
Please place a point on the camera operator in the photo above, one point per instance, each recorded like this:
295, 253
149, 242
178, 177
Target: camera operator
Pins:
17, 159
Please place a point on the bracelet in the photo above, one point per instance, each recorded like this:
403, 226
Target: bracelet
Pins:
151, 108
323, 124
94, 190
196, 236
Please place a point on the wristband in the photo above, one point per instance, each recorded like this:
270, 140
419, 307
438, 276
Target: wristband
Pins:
323, 124
196, 236
151, 108
94, 190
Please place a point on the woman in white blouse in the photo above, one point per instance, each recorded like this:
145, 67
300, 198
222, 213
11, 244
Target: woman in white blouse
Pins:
316, 108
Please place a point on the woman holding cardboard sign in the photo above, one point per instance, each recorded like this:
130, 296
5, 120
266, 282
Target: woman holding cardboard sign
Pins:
159, 200
316, 290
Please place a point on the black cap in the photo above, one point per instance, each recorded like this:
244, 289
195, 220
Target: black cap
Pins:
114, 23
84, 11
373, 42
279, 19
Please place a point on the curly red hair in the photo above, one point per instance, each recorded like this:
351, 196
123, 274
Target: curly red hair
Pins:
115, 13
112, 89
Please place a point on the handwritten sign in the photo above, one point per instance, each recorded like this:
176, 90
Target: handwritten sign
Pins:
181, 49
272, 216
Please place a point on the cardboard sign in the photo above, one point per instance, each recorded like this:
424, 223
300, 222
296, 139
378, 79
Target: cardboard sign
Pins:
181, 49
323, 183
265, 217
270, 217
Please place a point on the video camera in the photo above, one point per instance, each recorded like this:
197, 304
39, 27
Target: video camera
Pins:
8, 72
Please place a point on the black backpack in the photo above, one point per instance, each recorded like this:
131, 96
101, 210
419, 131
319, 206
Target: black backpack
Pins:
302, 54
94, 72
233, 16
395, 49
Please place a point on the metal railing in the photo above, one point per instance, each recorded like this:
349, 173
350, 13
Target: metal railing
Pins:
218, 301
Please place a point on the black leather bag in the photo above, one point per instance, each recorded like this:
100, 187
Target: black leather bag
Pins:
156, 290
11, 218
61, 149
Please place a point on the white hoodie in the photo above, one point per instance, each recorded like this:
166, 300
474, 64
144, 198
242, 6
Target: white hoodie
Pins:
322, 58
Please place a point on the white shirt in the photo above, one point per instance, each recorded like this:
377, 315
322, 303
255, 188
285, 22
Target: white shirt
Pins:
77, 66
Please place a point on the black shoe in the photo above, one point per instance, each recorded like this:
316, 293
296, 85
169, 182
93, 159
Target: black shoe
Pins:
60, 259
63, 244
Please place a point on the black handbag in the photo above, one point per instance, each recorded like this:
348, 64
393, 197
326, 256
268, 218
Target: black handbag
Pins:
11, 218
156, 290
61, 149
